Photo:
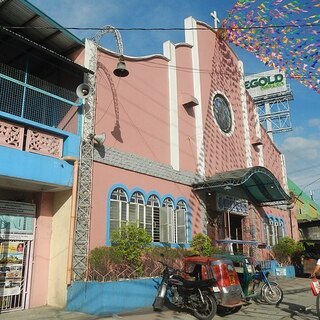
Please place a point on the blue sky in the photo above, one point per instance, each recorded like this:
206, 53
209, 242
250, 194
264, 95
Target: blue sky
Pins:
301, 146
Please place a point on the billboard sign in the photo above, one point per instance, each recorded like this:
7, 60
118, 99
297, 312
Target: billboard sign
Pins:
17, 220
265, 83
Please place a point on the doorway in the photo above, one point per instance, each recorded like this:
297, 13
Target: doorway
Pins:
236, 232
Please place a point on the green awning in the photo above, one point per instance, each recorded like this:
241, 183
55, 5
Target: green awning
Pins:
255, 184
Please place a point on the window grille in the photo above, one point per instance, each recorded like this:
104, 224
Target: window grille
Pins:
271, 233
34, 99
167, 221
118, 209
164, 223
153, 217
137, 210
181, 223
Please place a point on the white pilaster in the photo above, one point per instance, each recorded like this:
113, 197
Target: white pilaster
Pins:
284, 173
191, 38
245, 120
170, 53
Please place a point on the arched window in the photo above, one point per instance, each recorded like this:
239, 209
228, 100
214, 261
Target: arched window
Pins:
181, 222
153, 218
166, 221
271, 233
137, 210
280, 230
276, 229
266, 232
118, 209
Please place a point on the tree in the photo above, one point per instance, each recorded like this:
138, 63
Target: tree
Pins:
201, 244
128, 244
288, 251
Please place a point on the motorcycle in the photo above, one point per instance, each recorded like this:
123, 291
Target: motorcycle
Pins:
194, 297
269, 291
254, 280
227, 291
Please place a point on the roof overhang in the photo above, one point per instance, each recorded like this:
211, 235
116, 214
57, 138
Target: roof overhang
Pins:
24, 26
30, 44
256, 184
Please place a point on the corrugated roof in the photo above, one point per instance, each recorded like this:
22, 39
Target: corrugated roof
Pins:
256, 184
37, 26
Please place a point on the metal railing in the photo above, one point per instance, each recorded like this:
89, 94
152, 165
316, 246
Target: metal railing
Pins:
121, 272
32, 98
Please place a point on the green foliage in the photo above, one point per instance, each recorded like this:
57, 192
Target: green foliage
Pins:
201, 244
100, 259
128, 244
172, 256
288, 251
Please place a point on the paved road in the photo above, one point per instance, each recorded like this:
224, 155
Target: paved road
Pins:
298, 304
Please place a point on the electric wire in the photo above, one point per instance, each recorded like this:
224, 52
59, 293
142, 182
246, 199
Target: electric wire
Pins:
168, 29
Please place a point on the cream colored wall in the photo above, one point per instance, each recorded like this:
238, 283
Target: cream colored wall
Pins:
41, 256
57, 288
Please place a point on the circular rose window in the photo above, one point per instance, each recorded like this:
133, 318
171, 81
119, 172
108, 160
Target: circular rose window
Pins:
222, 113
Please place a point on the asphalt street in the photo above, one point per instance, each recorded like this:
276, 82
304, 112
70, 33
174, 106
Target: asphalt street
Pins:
298, 304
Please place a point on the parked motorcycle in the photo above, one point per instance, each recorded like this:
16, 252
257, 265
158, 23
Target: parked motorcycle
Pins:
194, 297
254, 280
227, 291
269, 291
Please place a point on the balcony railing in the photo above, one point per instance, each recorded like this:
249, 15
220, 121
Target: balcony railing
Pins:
19, 137
31, 98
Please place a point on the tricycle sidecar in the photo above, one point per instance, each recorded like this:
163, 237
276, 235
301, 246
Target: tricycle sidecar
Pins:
244, 267
228, 292
254, 281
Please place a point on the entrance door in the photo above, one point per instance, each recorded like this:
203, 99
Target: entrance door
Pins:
236, 232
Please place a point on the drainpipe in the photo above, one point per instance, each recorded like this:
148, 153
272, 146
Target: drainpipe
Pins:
72, 215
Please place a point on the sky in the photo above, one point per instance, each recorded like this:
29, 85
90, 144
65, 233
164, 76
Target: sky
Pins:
301, 146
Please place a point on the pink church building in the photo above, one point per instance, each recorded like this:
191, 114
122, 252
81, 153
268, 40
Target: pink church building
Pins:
184, 151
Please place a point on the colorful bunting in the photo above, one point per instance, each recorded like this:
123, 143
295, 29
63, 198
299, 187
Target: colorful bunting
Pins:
283, 34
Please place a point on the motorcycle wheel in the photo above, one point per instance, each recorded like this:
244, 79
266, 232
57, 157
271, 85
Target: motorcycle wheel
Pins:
206, 310
272, 294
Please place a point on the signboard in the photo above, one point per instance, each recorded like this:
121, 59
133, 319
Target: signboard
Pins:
265, 83
11, 266
17, 220
232, 204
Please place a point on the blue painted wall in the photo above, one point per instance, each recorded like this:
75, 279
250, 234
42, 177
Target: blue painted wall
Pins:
30, 166
71, 142
107, 298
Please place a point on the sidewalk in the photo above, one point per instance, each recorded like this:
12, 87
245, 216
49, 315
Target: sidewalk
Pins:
293, 285
289, 286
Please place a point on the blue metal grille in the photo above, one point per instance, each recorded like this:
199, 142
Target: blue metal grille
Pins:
31, 98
